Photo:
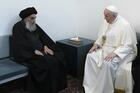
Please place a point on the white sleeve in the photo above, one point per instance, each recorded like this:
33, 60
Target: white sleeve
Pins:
100, 33
127, 42
123, 51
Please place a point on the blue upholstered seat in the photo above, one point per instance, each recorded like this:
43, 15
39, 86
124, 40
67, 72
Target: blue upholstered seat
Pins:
10, 70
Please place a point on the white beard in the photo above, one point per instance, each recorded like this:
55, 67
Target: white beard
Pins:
30, 27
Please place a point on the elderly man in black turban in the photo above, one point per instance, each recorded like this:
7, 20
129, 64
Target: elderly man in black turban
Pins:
34, 47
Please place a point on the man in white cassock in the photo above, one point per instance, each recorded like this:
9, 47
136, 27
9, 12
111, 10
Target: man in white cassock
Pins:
115, 45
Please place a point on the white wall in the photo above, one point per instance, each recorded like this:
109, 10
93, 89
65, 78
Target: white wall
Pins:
56, 17
67, 18
89, 14
59, 18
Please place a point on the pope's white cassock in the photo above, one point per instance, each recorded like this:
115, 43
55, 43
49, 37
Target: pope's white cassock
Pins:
99, 75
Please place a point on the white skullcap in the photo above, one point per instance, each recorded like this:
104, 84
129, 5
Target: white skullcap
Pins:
112, 8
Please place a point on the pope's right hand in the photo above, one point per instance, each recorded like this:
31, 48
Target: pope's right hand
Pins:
37, 52
94, 48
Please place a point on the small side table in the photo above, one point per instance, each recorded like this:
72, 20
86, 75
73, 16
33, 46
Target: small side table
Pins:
75, 55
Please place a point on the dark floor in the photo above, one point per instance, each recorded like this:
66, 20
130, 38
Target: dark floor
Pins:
74, 86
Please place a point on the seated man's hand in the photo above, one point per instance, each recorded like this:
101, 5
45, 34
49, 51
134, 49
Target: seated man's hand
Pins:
94, 48
37, 52
48, 50
110, 57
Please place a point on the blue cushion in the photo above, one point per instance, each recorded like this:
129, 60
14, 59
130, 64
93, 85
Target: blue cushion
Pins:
9, 69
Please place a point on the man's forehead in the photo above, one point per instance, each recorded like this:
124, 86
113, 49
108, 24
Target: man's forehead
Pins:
32, 15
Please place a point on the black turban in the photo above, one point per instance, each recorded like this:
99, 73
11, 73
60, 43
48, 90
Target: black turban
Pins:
27, 12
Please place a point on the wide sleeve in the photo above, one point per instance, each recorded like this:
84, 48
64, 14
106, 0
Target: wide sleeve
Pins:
99, 40
101, 32
128, 42
46, 40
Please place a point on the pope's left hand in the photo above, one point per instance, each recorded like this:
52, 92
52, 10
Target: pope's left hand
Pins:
110, 57
48, 50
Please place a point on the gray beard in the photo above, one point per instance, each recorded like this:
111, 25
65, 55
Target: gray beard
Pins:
30, 27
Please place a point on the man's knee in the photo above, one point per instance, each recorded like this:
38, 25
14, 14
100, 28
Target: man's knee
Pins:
51, 61
88, 55
111, 65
